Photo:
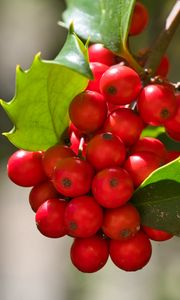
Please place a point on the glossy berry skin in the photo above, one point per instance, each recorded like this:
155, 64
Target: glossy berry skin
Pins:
72, 177
25, 168
173, 125
89, 255
125, 124
50, 218
121, 223
132, 254
53, 155
141, 164
83, 217
98, 53
150, 144
163, 67
88, 111
157, 104
156, 234
171, 155
120, 85
105, 150
139, 19
112, 187
41, 193
98, 70
173, 135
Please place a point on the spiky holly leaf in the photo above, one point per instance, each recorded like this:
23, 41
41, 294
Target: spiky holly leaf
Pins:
158, 198
39, 110
103, 21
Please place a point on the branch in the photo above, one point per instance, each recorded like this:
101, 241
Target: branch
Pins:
161, 44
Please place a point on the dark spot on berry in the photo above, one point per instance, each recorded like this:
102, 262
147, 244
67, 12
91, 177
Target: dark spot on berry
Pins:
164, 113
107, 136
73, 225
125, 233
66, 182
112, 90
114, 182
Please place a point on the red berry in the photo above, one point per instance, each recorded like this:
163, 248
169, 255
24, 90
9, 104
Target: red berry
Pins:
25, 168
156, 234
132, 254
141, 164
171, 155
139, 19
120, 85
150, 144
157, 104
125, 124
112, 187
105, 150
53, 155
72, 177
173, 135
89, 254
88, 111
122, 222
173, 124
83, 217
98, 53
50, 218
41, 193
163, 67
97, 69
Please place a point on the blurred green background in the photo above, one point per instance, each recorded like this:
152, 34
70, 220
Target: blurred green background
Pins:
33, 267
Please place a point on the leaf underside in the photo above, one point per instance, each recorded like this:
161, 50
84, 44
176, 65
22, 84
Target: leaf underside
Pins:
158, 199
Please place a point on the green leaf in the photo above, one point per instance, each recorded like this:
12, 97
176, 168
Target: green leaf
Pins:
104, 21
152, 131
39, 110
158, 198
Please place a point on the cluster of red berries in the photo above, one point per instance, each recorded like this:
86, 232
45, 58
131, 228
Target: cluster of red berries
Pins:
84, 189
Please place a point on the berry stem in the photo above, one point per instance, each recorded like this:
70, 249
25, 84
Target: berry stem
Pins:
80, 150
132, 61
161, 44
